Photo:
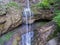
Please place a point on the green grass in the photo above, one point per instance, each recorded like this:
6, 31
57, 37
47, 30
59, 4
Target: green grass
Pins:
5, 37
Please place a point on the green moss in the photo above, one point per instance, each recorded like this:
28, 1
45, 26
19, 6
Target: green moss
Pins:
12, 4
45, 4
57, 17
5, 37
51, 1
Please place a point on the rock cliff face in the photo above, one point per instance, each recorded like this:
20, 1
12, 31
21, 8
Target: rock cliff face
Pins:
38, 13
9, 19
41, 35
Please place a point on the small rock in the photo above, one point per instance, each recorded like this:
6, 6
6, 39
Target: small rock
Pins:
52, 42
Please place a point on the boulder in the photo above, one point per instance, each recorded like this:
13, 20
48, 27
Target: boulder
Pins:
43, 33
10, 20
54, 41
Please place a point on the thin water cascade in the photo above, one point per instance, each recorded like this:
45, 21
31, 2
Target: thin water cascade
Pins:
26, 38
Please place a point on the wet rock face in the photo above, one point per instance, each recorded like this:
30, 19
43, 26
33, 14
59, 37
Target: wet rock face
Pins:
9, 20
43, 33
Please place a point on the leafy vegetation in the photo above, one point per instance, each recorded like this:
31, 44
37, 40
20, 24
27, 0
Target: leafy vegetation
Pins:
57, 13
57, 19
5, 38
45, 4
12, 4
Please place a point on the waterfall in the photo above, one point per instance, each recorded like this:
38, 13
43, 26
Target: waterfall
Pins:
27, 4
26, 38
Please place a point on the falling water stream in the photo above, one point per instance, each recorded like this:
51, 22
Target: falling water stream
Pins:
26, 38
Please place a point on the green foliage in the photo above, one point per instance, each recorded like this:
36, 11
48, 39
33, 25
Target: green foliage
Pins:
57, 17
5, 37
45, 4
57, 12
51, 1
12, 4
57, 20
57, 5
